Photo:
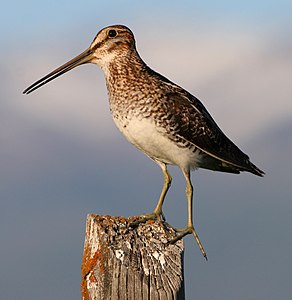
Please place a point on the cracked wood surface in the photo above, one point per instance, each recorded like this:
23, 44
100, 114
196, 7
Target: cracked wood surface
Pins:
121, 262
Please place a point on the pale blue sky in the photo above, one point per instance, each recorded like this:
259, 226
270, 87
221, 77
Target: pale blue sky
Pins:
33, 16
62, 157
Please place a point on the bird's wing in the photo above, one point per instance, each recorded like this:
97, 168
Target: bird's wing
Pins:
195, 125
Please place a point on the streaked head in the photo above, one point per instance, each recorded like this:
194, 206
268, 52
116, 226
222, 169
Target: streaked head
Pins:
110, 42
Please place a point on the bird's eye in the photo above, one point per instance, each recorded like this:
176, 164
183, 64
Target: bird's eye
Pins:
112, 33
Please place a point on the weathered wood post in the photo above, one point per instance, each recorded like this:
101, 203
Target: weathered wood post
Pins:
125, 263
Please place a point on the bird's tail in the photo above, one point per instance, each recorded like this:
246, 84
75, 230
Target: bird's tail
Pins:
255, 170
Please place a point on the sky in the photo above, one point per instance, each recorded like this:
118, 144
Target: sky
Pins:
62, 157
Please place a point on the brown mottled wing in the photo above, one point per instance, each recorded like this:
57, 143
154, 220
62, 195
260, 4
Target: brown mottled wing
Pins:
196, 126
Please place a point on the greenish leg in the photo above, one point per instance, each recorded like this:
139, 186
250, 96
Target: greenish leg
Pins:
166, 186
157, 213
190, 229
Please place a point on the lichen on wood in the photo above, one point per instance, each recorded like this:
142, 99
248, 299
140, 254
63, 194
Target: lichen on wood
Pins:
123, 262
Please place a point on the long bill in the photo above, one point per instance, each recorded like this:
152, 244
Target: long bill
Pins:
80, 59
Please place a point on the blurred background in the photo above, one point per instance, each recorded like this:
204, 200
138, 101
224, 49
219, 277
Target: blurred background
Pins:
62, 157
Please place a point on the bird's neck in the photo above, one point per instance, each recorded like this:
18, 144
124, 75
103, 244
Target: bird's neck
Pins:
126, 80
125, 70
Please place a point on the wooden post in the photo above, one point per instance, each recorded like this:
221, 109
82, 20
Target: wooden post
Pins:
121, 262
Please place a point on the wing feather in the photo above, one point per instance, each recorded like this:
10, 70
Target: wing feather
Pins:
195, 125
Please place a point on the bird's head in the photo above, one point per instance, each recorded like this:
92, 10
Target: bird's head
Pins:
110, 43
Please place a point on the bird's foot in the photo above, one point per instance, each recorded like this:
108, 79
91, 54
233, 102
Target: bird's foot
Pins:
176, 230
147, 217
185, 231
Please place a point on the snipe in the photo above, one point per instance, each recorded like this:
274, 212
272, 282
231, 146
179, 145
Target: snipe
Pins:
160, 118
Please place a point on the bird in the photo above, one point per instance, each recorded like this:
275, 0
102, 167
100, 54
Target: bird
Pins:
157, 116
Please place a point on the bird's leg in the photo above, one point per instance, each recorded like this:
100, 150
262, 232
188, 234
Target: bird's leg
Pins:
157, 213
166, 185
190, 229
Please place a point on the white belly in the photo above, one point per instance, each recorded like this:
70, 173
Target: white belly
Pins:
153, 142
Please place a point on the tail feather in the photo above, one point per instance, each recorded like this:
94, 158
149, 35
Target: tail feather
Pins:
255, 170
214, 164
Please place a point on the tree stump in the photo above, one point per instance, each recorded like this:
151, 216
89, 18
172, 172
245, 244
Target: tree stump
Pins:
121, 262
